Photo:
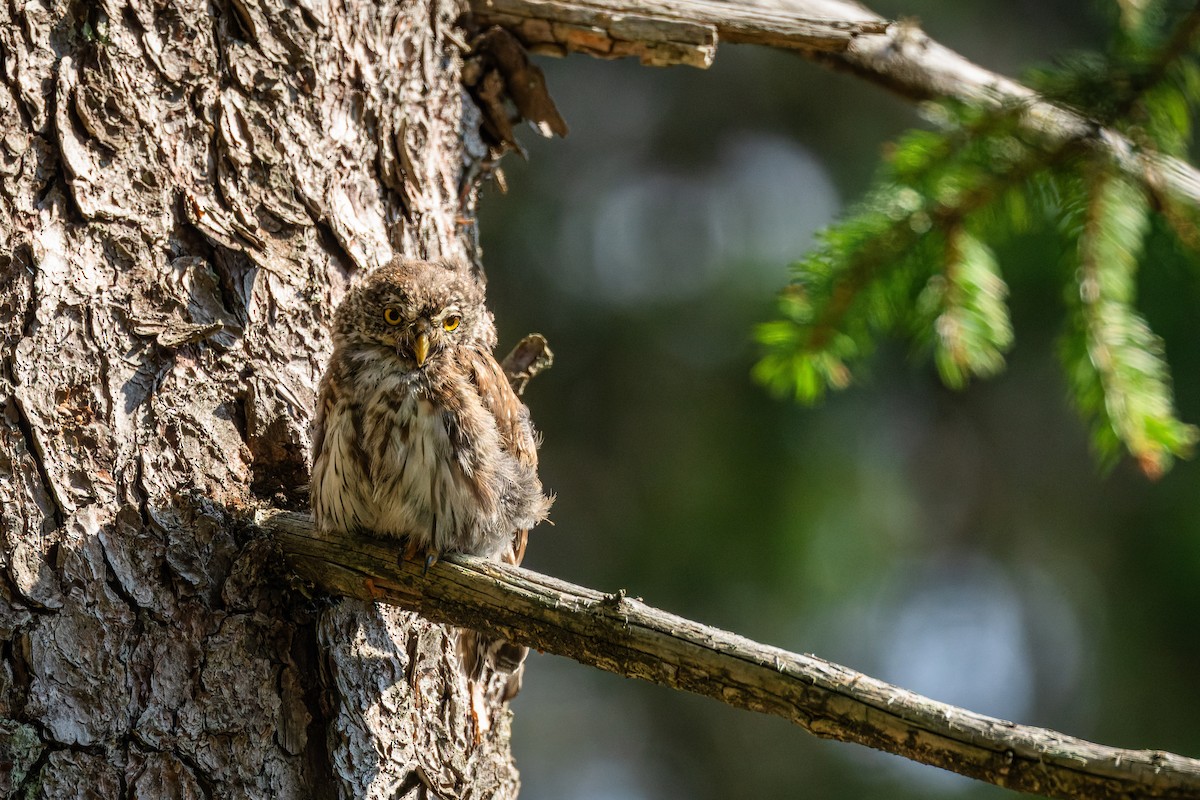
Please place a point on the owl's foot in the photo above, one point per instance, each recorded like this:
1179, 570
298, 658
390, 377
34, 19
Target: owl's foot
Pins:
411, 548
413, 551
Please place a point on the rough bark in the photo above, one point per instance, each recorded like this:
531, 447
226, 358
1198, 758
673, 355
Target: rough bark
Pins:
625, 636
185, 190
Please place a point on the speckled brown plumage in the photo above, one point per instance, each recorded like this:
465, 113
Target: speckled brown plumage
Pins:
418, 435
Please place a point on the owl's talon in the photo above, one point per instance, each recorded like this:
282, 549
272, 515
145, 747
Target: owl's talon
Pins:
431, 558
410, 551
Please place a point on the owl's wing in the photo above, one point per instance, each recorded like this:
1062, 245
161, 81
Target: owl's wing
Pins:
331, 398
512, 418
326, 398
512, 421
516, 552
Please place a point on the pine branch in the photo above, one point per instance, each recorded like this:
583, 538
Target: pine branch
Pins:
625, 636
837, 33
910, 255
1115, 362
1181, 42
971, 330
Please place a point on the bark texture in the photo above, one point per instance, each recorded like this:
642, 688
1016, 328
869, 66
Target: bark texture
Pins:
185, 190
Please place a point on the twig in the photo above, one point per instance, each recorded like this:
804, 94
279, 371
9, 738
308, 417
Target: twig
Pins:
627, 637
842, 35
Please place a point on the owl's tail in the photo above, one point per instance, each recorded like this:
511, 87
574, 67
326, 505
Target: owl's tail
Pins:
494, 668
486, 659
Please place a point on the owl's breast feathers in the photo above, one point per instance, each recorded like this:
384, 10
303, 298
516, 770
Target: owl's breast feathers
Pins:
445, 457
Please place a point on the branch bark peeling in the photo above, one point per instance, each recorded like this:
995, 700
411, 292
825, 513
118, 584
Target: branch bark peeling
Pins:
662, 32
627, 637
842, 35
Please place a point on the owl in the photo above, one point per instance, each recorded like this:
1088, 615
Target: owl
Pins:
418, 435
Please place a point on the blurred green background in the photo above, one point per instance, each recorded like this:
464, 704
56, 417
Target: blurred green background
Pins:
962, 545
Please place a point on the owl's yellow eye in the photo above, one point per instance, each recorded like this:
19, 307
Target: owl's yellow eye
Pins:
391, 316
451, 322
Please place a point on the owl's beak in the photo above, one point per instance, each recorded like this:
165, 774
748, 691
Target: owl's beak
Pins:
421, 348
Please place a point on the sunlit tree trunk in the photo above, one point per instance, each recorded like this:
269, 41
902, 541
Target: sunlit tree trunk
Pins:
186, 190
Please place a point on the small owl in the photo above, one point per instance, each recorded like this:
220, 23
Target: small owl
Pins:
418, 435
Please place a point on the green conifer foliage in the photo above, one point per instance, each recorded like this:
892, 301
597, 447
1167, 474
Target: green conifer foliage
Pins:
914, 258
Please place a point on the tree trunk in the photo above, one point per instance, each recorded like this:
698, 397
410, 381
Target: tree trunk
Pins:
187, 189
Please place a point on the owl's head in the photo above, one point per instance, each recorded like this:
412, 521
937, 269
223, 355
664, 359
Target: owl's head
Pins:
419, 309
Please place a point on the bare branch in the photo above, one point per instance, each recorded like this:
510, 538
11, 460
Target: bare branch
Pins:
662, 32
839, 34
627, 637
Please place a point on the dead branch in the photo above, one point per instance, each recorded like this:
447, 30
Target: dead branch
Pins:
662, 32
837, 33
625, 636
